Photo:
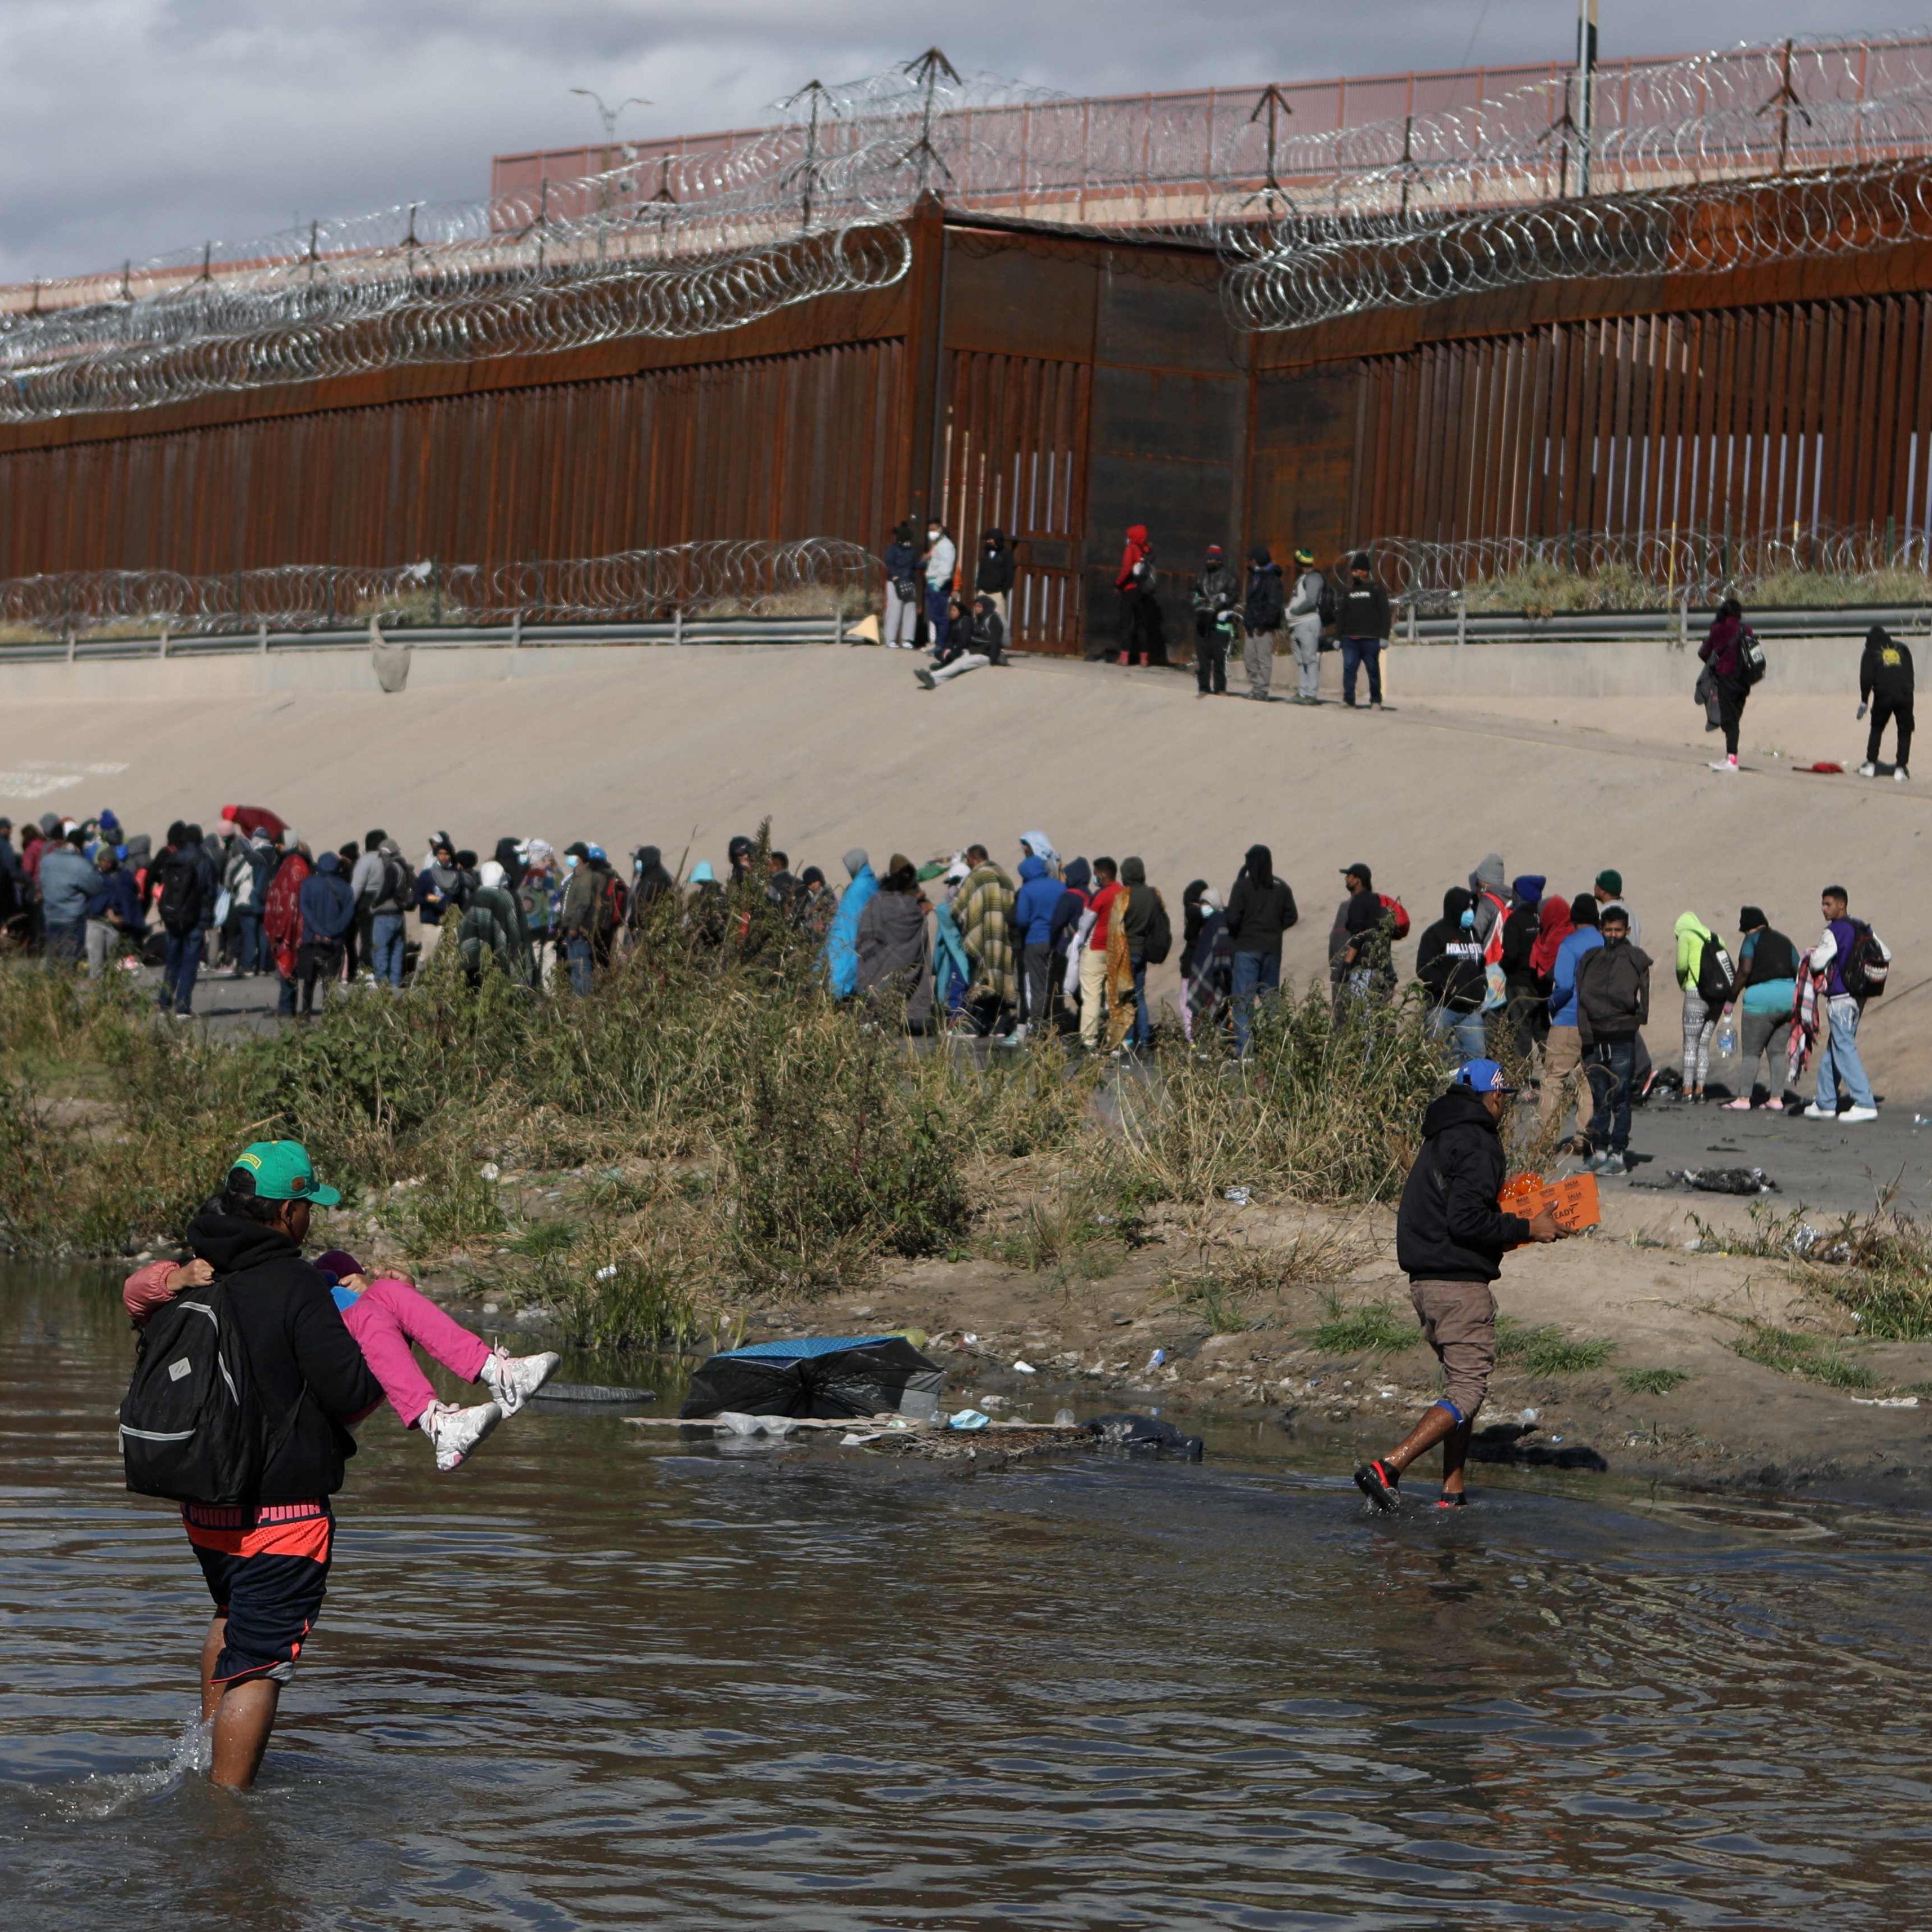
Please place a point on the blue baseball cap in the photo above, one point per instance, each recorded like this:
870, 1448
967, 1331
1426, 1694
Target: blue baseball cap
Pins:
1482, 1076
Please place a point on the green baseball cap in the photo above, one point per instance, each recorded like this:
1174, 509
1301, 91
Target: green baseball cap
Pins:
283, 1171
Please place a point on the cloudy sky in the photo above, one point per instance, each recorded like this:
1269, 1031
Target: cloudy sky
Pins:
132, 127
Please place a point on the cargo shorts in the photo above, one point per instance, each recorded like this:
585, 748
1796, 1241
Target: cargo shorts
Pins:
1459, 1321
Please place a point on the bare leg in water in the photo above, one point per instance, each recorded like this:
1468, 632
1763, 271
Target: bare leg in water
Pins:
243, 1715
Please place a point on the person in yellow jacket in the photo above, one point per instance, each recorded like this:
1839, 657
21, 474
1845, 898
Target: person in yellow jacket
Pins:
1700, 1020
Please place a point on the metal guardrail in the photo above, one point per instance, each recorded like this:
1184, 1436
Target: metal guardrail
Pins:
1679, 627
678, 632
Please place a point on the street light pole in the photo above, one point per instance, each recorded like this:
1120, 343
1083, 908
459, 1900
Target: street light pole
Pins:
1586, 88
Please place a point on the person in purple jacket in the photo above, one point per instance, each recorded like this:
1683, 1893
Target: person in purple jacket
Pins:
1839, 1061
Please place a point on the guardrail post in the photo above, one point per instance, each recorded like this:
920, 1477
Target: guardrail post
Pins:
1683, 623
838, 624
516, 629
1461, 619
164, 640
677, 624
70, 643
1412, 619
261, 635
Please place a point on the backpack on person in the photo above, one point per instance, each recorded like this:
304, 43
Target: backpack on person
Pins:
1751, 659
398, 887
180, 902
1328, 605
1398, 913
1717, 975
613, 902
1160, 940
1867, 965
191, 1423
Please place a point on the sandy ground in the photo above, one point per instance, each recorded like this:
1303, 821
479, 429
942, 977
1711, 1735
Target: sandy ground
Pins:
841, 749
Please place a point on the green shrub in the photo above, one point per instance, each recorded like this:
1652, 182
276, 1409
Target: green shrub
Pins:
1545, 1350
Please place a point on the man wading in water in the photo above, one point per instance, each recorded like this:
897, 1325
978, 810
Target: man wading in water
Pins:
1450, 1235
266, 1565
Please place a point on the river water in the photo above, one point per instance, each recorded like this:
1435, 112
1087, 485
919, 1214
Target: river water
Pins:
597, 1680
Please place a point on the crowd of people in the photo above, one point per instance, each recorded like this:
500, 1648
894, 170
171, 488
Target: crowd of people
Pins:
1557, 985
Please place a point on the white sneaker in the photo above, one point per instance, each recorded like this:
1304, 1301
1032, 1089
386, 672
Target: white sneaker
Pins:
514, 1379
1867, 769
1857, 1113
1815, 1112
454, 1432
1900, 774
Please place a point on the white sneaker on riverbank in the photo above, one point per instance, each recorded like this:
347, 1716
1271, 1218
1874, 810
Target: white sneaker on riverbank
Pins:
514, 1379
1855, 1116
454, 1431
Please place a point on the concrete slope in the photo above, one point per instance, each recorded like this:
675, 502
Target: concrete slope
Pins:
682, 749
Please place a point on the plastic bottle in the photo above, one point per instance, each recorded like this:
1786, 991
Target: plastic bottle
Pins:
1726, 1043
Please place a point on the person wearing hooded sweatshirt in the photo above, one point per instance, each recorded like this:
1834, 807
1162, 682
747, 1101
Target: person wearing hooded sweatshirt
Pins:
894, 958
388, 901
577, 915
902, 590
266, 1571
1039, 893
1304, 627
1449, 966
1063, 933
282, 923
841, 942
1207, 978
1723, 654
1140, 616
994, 579
1450, 1237
1563, 1048
1521, 986
1700, 1019
1217, 590
1263, 610
1363, 622
328, 912
68, 882
1137, 918
440, 888
650, 881
1885, 685
1768, 971
1261, 909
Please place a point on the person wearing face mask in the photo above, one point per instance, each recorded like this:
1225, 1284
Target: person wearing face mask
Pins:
577, 918
1449, 965
942, 554
902, 590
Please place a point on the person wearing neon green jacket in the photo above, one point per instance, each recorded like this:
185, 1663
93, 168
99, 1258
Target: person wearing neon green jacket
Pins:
1700, 1020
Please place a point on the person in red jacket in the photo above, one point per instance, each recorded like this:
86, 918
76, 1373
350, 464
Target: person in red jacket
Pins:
282, 923
1140, 616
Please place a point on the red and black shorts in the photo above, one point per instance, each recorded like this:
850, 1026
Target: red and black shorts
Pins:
267, 1570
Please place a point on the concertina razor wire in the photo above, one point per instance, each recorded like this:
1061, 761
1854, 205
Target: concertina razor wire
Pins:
1795, 148
1581, 570
811, 576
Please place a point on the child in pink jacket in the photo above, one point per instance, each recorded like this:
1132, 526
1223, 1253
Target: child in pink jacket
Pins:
385, 1316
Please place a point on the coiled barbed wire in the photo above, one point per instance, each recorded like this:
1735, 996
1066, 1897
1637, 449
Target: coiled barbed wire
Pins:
1795, 150
1758, 153
1657, 569
721, 578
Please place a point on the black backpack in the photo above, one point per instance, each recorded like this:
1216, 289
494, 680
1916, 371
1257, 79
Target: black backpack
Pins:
1717, 975
180, 900
397, 883
1867, 965
1750, 656
1159, 941
1330, 603
190, 1424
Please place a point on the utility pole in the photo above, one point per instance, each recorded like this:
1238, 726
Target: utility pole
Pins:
1586, 88
608, 116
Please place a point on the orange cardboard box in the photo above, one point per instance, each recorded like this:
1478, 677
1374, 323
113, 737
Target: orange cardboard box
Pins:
1574, 1201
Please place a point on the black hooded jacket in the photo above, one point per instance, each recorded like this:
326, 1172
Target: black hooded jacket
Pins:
1259, 914
1884, 670
309, 1376
996, 571
1448, 1227
1449, 960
